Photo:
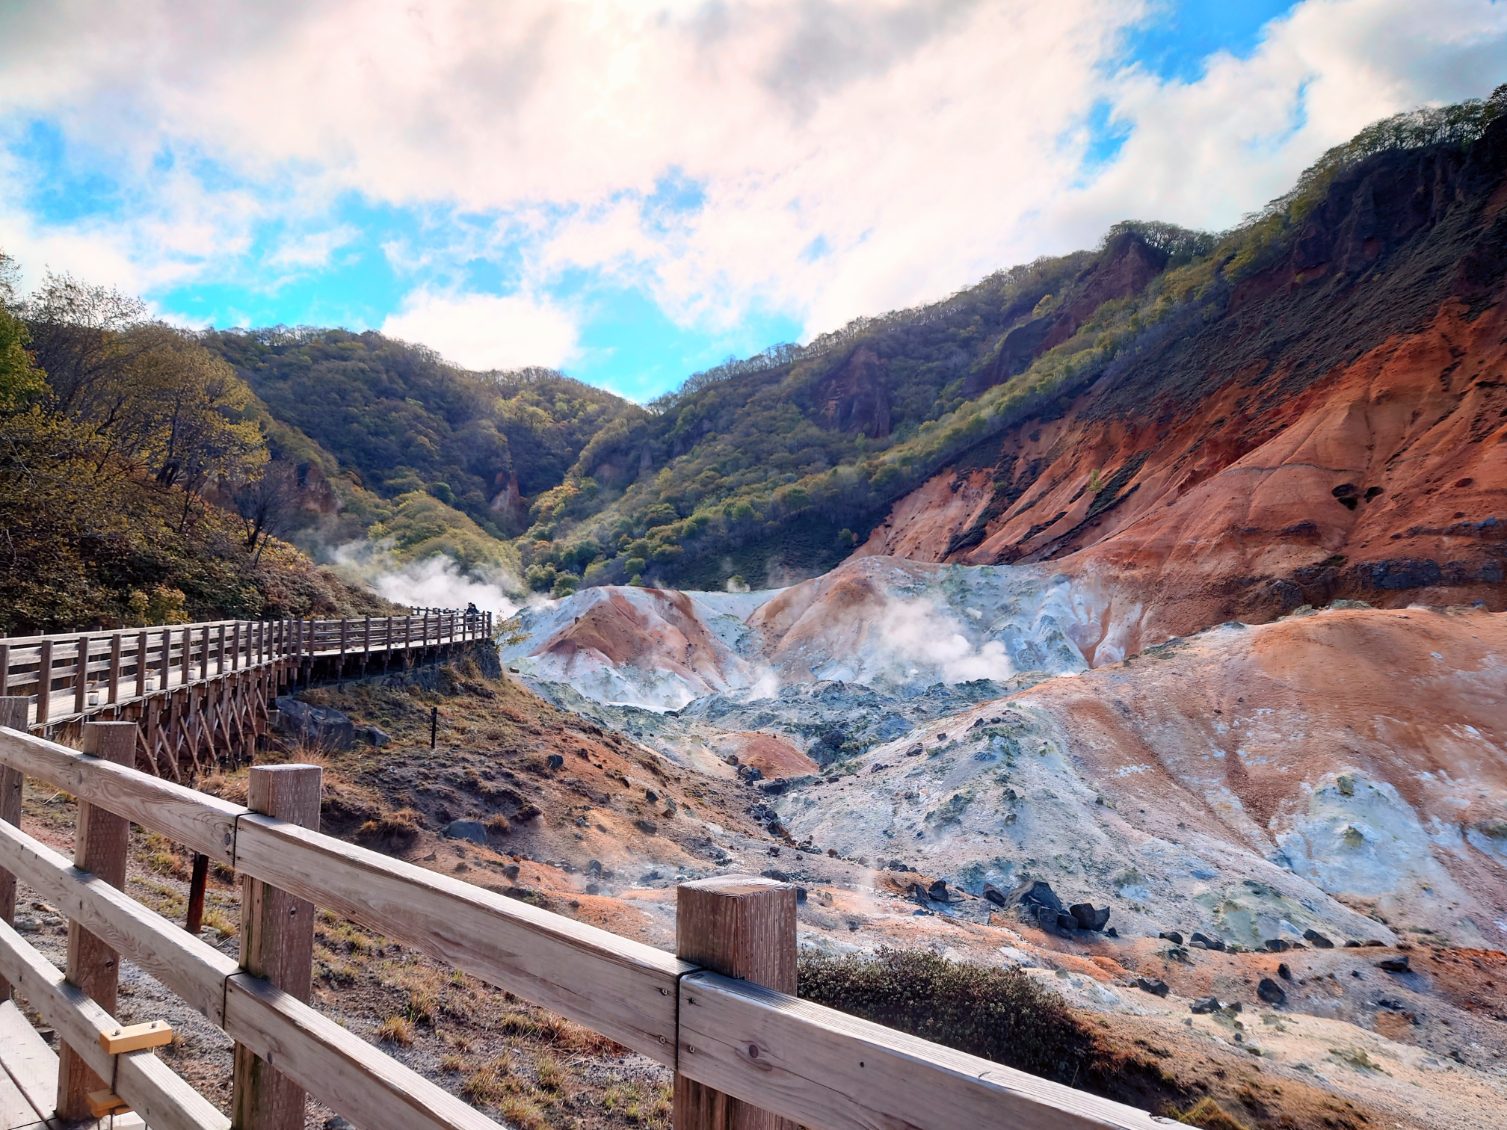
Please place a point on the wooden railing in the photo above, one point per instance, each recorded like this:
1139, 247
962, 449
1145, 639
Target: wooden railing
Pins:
738, 1048
80, 674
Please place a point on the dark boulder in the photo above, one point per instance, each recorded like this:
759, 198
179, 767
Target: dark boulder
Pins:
1316, 939
994, 895
1271, 992
1398, 964
318, 727
1089, 917
1173, 936
1277, 945
373, 736
1206, 1006
1203, 941
555, 761
473, 830
938, 890
1152, 986
1284, 972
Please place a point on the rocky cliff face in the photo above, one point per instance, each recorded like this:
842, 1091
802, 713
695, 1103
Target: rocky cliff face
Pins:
1337, 429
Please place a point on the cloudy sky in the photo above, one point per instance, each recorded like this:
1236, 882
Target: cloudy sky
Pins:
635, 190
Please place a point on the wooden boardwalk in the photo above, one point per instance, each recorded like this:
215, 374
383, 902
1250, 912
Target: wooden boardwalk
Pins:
200, 692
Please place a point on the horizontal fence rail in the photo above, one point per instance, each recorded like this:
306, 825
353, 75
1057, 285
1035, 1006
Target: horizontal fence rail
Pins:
770, 1050
79, 674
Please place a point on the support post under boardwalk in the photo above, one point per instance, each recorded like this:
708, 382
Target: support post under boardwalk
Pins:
277, 942
100, 847
739, 926
13, 715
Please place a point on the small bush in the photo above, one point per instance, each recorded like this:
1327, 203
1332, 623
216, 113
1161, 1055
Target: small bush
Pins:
395, 1030
1209, 1115
999, 1014
392, 831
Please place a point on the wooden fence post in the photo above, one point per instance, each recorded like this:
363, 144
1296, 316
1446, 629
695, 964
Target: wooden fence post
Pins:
13, 714
100, 847
739, 926
277, 942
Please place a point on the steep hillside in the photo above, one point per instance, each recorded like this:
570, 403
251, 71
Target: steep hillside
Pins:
397, 419
1321, 386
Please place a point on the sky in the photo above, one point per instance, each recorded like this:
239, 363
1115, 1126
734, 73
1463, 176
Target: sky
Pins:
635, 191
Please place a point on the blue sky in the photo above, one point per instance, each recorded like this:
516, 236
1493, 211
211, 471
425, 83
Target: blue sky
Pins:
634, 192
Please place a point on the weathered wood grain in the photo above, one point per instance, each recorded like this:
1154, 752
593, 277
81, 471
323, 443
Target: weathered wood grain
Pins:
350, 1076
277, 944
191, 818
143, 1080
742, 926
828, 1070
621, 988
101, 845
193, 969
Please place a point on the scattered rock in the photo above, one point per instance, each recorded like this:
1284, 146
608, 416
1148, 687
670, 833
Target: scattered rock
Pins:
1316, 939
376, 737
938, 891
1398, 964
993, 894
1271, 992
750, 773
1203, 941
555, 761
1206, 1006
1111, 932
1089, 917
648, 827
1152, 986
1173, 936
651, 796
1277, 945
916, 750
319, 727
1284, 972
473, 830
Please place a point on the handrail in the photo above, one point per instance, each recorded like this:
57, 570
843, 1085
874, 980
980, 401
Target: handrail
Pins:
75, 675
796, 1059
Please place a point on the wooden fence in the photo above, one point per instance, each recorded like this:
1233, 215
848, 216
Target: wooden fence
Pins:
745, 1054
201, 690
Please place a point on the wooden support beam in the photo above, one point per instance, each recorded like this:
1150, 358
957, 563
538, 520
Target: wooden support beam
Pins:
100, 847
740, 926
141, 664
115, 652
13, 714
80, 674
44, 682
277, 943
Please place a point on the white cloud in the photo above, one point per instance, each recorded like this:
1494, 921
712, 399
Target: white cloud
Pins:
312, 249
487, 331
922, 143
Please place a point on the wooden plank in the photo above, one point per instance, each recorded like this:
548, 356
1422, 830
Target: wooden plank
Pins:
141, 664
823, 1068
14, 712
350, 1076
742, 926
101, 844
44, 681
164, 1100
80, 674
15, 1111
277, 944
191, 968
194, 819
30, 1063
115, 654
619, 987
4, 669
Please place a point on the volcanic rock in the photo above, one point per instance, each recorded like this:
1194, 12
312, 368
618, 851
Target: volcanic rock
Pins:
473, 830
1398, 964
1150, 985
1271, 992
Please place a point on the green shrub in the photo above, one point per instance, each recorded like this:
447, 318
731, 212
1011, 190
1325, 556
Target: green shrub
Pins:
999, 1014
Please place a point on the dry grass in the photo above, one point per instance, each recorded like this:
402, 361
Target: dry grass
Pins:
395, 1030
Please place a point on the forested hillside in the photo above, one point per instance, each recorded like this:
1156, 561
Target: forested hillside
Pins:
404, 420
128, 457
779, 465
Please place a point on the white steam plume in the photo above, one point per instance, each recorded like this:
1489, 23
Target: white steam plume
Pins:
434, 582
